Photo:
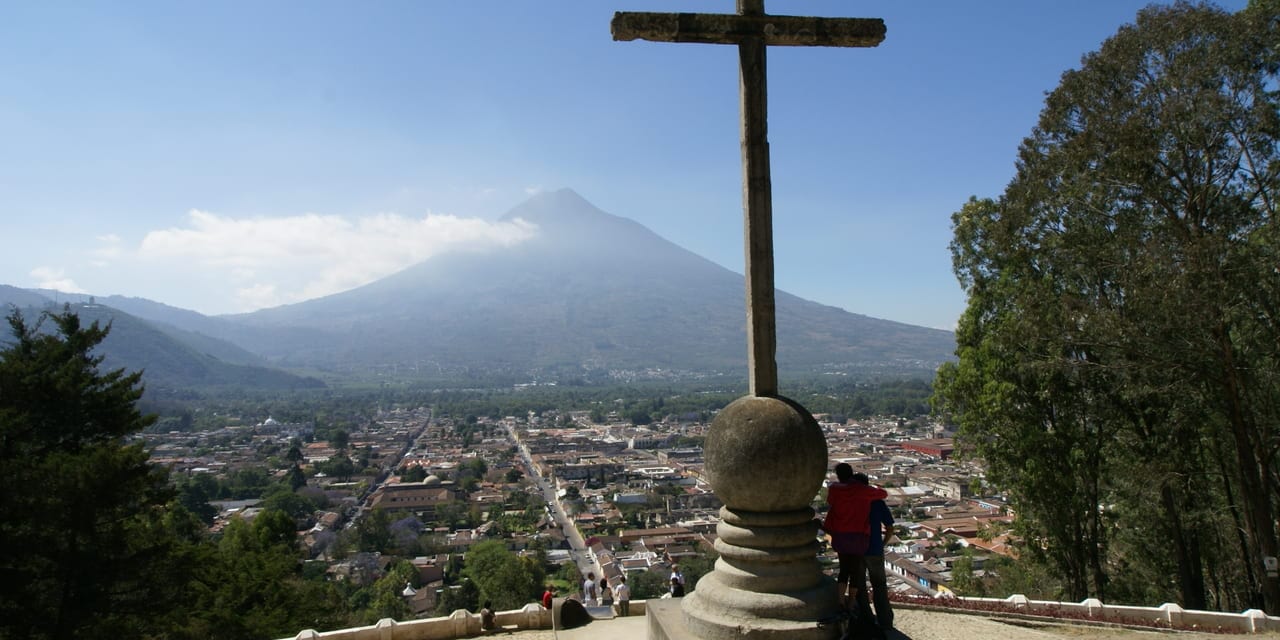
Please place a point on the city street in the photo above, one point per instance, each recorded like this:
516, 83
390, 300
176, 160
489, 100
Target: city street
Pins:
577, 546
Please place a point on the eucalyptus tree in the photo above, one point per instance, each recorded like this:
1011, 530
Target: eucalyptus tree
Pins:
1119, 353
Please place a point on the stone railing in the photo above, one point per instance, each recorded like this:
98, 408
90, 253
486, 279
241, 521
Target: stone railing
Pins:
459, 624
1166, 615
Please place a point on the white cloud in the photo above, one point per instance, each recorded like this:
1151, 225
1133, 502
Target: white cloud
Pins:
51, 278
276, 260
534, 190
257, 296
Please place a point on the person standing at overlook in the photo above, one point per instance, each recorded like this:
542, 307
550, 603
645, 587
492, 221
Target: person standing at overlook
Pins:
850, 529
606, 594
589, 594
881, 529
622, 593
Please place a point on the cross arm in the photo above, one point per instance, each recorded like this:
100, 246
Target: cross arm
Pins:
711, 28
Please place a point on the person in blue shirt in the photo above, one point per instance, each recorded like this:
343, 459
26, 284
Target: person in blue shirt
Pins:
881, 529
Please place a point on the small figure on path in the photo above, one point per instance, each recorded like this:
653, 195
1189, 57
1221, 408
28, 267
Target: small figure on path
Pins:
589, 594
487, 618
677, 588
547, 597
622, 593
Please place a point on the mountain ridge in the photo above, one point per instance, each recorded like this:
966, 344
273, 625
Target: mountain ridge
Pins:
589, 295
169, 357
588, 291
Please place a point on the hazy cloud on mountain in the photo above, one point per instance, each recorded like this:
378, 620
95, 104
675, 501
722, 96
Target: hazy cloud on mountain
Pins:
55, 279
247, 263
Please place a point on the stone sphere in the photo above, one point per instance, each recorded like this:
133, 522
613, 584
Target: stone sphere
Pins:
765, 454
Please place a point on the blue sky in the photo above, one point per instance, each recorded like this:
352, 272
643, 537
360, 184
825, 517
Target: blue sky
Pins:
225, 156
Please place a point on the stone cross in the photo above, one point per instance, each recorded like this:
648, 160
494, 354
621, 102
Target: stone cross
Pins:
753, 30
765, 456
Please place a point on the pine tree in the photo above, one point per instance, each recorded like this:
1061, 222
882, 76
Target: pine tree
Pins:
86, 548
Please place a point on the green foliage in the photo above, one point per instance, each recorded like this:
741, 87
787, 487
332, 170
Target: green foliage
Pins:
340, 440
373, 531
568, 573
696, 567
465, 596
295, 478
383, 598
282, 498
843, 396
413, 474
1026, 576
508, 581
339, 466
97, 543
246, 483
1119, 359
193, 495
639, 416
963, 582
251, 586
85, 544
650, 583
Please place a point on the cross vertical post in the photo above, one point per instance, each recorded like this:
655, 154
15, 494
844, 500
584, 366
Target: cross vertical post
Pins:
757, 210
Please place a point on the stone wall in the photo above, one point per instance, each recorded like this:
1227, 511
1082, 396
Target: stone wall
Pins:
459, 624
1251, 621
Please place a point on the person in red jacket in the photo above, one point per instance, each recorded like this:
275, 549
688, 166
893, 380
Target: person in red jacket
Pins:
848, 524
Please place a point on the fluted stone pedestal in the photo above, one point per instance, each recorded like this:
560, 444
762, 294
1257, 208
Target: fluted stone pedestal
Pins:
765, 458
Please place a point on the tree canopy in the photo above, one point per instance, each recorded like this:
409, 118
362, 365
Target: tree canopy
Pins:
508, 581
96, 543
84, 545
1120, 352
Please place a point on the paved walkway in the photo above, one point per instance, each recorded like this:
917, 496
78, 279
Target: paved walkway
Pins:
915, 624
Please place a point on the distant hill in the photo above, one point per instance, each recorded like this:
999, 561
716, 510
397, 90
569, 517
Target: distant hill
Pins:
170, 358
191, 328
15, 297
591, 292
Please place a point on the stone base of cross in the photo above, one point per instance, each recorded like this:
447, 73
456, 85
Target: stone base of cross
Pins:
765, 455
765, 458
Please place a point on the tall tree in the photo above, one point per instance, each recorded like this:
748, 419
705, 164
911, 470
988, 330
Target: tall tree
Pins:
84, 542
1124, 306
505, 580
